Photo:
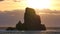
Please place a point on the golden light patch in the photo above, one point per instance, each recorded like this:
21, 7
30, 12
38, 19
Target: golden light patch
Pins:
38, 3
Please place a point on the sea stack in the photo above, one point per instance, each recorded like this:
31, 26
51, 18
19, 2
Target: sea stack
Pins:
32, 21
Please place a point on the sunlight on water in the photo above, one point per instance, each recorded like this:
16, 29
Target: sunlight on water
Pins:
23, 31
51, 30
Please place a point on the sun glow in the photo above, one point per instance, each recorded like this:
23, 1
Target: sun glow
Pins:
38, 4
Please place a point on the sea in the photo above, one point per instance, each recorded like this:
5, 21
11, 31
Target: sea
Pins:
48, 31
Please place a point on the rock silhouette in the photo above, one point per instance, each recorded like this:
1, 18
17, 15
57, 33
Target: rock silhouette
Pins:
32, 21
19, 26
10, 28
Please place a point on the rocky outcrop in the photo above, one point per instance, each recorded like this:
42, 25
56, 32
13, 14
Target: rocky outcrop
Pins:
10, 28
19, 26
32, 21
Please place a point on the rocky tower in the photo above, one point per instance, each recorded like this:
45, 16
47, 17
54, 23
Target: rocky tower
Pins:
32, 21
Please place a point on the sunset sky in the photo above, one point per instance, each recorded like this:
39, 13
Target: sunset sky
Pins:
11, 11
21, 4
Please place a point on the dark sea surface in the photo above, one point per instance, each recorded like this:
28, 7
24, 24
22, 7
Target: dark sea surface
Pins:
48, 31
30, 32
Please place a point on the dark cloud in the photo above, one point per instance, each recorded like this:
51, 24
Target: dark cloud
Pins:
51, 20
10, 18
1, 0
17, 0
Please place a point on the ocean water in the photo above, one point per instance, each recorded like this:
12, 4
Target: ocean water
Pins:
30, 32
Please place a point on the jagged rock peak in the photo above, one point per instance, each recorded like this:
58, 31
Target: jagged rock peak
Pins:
30, 10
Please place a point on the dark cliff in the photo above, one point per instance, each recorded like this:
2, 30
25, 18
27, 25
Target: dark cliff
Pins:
32, 21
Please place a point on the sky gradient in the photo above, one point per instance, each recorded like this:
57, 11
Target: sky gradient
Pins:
12, 4
11, 12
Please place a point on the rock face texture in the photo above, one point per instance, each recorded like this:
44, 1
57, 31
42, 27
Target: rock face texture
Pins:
19, 26
32, 21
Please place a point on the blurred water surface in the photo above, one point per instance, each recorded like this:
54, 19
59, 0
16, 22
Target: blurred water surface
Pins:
30, 32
